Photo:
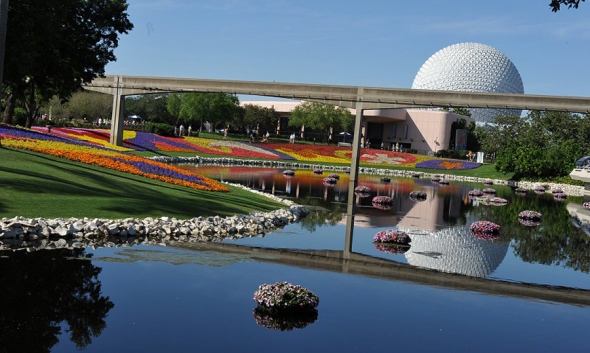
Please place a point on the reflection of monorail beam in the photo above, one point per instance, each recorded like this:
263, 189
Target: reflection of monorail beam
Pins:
364, 265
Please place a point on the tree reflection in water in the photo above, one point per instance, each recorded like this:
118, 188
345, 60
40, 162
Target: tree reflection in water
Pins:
42, 290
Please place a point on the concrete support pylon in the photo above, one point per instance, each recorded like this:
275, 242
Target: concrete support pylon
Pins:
118, 114
354, 173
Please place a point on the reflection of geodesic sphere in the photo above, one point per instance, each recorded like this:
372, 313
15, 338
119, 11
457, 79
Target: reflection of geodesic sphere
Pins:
471, 67
455, 250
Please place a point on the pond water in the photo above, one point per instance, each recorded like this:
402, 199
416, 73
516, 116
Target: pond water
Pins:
450, 291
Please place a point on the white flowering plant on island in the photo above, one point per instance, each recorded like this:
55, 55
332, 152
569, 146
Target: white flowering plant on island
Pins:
285, 296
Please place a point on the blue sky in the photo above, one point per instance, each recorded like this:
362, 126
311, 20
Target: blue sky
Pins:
378, 43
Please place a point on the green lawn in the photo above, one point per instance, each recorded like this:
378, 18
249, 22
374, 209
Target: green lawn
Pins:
38, 185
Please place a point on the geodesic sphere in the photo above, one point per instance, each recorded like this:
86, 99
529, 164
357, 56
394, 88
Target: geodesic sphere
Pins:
471, 67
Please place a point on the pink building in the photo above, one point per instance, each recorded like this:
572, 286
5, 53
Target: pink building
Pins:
419, 129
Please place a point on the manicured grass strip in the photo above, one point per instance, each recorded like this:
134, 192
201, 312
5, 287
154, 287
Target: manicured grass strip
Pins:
38, 185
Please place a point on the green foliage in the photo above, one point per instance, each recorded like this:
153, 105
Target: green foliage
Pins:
543, 145
266, 119
454, 154
150, 107
20, 116
219, 109
160, 129
54, 46
321, 117
556, 4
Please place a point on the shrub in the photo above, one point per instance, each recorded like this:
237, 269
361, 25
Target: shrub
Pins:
160, 129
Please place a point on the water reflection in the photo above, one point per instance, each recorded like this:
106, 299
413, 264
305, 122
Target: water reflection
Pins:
44, 290
438, 226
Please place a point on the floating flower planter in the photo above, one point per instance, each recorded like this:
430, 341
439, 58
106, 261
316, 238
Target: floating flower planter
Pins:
382, 202
559, 196
362, 188
485, 230
443, 182
586, 205
385, 179
392, 236
530, 218
557, 191
317, 171
330, 181
539, 190
489, 191
520, 191
492, 201
488, 182
334, 176
284, 297
435, 179
475, 193
288, 172
418, 195
415, 175
362, 191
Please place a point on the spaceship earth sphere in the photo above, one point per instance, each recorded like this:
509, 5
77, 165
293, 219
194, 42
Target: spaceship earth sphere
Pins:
471, 67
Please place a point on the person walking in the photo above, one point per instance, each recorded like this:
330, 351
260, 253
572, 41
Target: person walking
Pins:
181, 130
190, 128
225, 134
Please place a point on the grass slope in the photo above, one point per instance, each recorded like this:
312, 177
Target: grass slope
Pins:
38, 185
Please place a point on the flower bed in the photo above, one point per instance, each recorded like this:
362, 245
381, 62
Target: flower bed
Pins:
447, 164
485, 230
392, 236
284, 297
418, 195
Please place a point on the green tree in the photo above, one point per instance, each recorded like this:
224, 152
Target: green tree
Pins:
556, 4
321, 117
543, 145
54, 46
90, 106
266, 119
218, 109
150, 107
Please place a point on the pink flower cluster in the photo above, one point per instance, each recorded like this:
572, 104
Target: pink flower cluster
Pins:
484, 230
392, 236
284, 295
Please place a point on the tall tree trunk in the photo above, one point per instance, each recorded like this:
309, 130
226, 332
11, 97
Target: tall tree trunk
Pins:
31, 107
9, 110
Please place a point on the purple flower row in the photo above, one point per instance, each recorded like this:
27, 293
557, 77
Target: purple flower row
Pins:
163, 170
439, 164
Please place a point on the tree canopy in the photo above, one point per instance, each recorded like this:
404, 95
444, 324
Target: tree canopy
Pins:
321, 117
542, 145
556, 4
52, 47
266, 119
218, 109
